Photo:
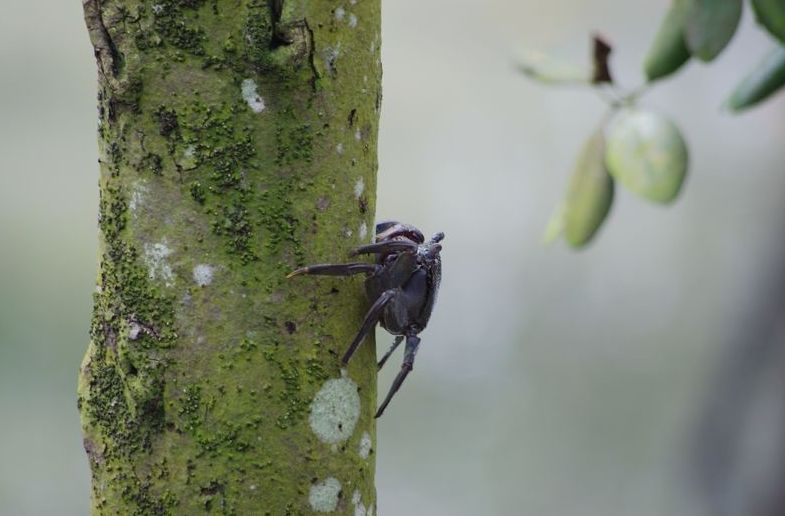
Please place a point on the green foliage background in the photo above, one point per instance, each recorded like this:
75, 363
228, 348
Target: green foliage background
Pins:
644, 150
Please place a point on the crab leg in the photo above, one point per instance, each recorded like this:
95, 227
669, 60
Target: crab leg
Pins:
390, 351
412, 343
387, 246
371, 318
336, 269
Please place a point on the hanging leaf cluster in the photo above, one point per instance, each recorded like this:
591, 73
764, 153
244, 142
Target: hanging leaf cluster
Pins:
639, 149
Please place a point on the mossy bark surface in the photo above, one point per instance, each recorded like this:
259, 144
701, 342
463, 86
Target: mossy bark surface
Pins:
237, 141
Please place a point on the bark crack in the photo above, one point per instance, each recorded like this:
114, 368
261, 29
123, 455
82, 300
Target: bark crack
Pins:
105, 50
311, 54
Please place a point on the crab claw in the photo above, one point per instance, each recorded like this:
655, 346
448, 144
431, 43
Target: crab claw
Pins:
297, 272
336, 269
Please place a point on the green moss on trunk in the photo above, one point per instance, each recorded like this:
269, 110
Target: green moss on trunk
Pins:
233, 136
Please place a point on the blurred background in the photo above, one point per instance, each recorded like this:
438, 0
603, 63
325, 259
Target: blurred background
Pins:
644, 375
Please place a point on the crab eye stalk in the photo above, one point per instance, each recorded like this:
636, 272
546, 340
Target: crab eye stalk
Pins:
386, 231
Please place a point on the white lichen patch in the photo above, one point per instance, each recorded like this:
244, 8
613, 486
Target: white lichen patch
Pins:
158, 268
363, 231
340, 13
358, 135
251, 96
331, 56
188, 161
365, 445
339, 148
324, 495
134, 330
359, 507
203, 274
139, 191
359, 187
352, 21
335, 410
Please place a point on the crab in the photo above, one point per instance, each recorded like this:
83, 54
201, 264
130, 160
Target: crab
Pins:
402, 286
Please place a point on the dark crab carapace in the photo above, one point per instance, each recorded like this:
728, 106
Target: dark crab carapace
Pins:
402, 286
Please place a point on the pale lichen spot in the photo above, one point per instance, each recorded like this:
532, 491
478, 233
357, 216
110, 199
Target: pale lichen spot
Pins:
139, 191
352, 20
339, 148
188, 161
251, 96
340, 13
365, 445
347, 232
158, 8
358, 135
134, 330
331, 56
359, 507
375, 43
363, 231
203, 274
335, 410
322, 203
359, 187
155, 256
324, 495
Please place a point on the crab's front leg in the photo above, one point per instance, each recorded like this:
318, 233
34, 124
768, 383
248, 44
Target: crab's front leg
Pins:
412, 343
371, 318
336, 269
386, 246
395, 344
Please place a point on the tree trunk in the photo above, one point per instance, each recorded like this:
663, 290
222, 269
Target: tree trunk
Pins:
237, 141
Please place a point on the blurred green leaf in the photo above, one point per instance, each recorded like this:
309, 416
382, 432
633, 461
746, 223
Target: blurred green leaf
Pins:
549, 70
771, 14
555, 226
764, 80
668, 51
647, 154
710, 26
590, 194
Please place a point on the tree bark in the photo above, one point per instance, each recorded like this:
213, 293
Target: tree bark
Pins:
237, 141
